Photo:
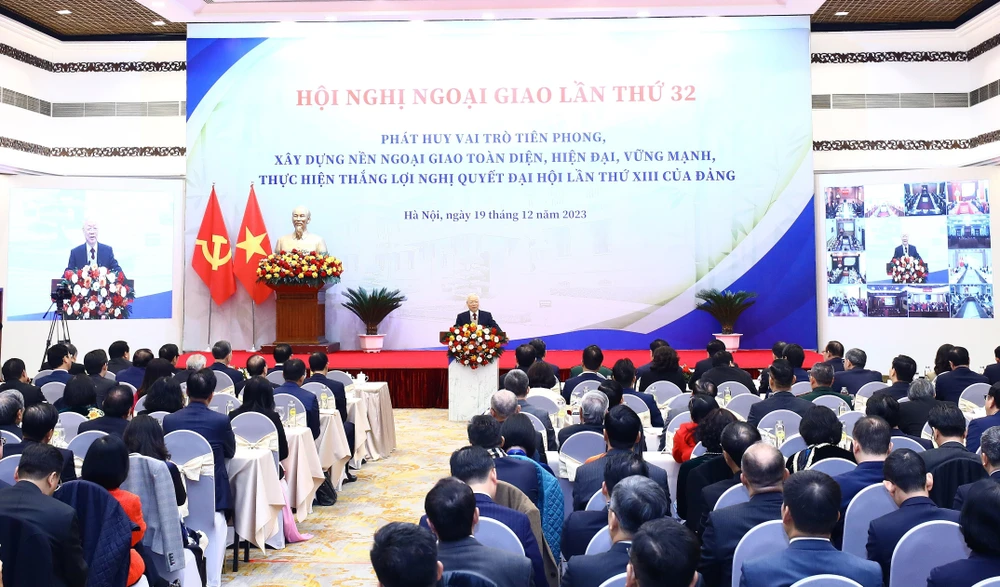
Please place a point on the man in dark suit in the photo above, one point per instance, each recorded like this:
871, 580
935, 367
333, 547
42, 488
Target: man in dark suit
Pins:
134, 375
648, 566
704, 365
295, 375
900, 376
909, 485
763, 474
257, 367
634, 501
484, 432
905, 249
282, 352
854, 374
539, 346
91, 253
992, 372
992, 418
319, 364
516, 382
37, 425
117, 406
196, 362
169, 352
524, 355
11, 411
796, 357
990, 458
809, 516
213, 426
57, 359
74, 367
624, 373
622, 429
951, 384
821, 380
872, 443
725, 370
222, 352
982, 535
405, 554
913, 414
451, 515
96, 364
777, 351
592, 359
118, 358
782, 376
581, 527
833, 355
15, 377
948, 427
886, 407
592, 409
643, 370
503, 405
736, 439
474, 315
30, 500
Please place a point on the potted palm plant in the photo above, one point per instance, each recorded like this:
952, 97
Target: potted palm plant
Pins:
372, 308
726, 307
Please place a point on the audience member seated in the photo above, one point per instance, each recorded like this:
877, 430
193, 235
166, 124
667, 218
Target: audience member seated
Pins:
30, 500
503, 405
135, 373
724, 370
980, 521
16, 377
708, 468
613, 390
592, 409
281, 353
258, 397
715, 346
405, 555
540, 376
622, 429
57, 359
992, 371
524, 355
821, 381
777, 351
213, 426
872, 443
79, 397
763, 474
886, 407
37, 425
592, 359
821, 431
702, 387
222, 352
634, 501
294, 373
809, 515
144, 436
156, 369
581, 526
950, 385
257, 367
319, 364
782, 377
948, 427
195, 363
796, 356
854, 374
624, 373
644, 369
170, 353
96, 365
539, 345
736, 438
685, 440
913, 414
11, 412
165, 395
833, 355
451, 515
118, 357
484, 432
990, 458
900, 377
520, 438
665, 367
516, 382
909, 485
117, 408
979, 425
74, 367
663, 554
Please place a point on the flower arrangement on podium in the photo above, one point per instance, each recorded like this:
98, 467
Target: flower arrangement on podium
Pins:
475, 346
299, 268
908, 270
97, 293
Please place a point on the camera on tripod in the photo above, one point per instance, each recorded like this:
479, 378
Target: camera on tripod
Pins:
60, 294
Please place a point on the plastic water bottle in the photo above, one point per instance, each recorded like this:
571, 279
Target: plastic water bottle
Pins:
324, 400
728, 395
229, 406
843, 409
291, 413
779, 432
60, 432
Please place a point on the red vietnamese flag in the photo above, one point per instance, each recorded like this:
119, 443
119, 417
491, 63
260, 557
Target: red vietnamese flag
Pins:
213, 255
252, 244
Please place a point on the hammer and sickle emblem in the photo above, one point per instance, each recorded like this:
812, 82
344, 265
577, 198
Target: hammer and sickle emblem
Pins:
217, 242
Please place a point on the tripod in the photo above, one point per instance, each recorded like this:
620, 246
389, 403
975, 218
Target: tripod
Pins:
58, 326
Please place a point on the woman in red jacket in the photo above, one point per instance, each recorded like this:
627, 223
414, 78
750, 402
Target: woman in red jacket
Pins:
699, 406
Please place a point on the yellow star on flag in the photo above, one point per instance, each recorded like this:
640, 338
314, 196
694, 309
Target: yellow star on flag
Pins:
251, 244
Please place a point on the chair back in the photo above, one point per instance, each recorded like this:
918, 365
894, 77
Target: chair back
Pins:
741, 404
735, 388
635, 402
105, 531
899, 442
870, 503
9, 437
140, 404
679, 402
833, 467
316, 388
698, 450
543, 403
991, 582
159, 416
26, 552
789, 418
927, 433
869, 389
663, 391
193, 456
130, 386
801, 388
111, 375
583, 445
253, 428
465, 579
224, 383
762, 540
80, 444
833, 402
849, 420
71, 424
678, 420
601, 542
792, 445
581, 389
147, 478
497, 535
287, 400
45, 372
7, 467
53, 391
976, 394
826, 581
224, 403
340, 376
732, 496
924, 547
597, 502
950, 475
616, 581
276, 377
538, 425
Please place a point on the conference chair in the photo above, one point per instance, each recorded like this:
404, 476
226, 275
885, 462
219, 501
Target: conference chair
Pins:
663, 391
140, 404
341, 377
7, 467
597, 502
255, 430
71, 424
899, 442
682, 418
111, 376
992, 582
43, 373
80, 445
544, 403
868, 389
616, 581
870, 503
635, 402
581, 389
224, 384
927, 433
837, 404
224, 403
601, 542
792, 445
732, 496
762, 540
320, 390
849, 420
288, 401
582, 445
9, 437
801, 388
788, 418
741, 404
833, 467
679, 402
923, 548
465, 579
276, 377
132, 387
734, 388
159, 416
496, 534
826, 581
975, 394
698, 450
539, 427
53, 391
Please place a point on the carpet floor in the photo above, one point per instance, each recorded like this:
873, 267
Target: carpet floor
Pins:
387, 490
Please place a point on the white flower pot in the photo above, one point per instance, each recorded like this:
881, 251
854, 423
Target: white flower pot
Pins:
371, 343
732, 341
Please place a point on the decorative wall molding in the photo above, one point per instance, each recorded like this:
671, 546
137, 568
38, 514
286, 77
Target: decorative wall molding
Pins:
908, 144
909, 56
35, 149
93, 66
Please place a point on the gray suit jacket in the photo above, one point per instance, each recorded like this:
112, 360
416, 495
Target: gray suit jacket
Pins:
503, 568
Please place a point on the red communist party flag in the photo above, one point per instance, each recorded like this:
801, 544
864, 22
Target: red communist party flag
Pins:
213, 255
252, 245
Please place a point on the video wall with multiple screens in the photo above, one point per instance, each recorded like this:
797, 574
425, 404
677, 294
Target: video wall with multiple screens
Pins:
918, 250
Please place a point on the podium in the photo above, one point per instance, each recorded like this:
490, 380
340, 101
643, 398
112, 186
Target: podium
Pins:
470, 390
299, 320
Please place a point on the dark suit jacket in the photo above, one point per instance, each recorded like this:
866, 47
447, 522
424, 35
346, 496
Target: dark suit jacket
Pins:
308, 400
720, 375
25, 502
962, 493
590, 476
542, 415
573, 381
520, 474
69, 467
119, 364
992, 372
236, 375
946, 452
595, 569
781, 400
950, 385
712, 471
965, 573
723, 532
80, 257
897, 390
851, 381
572, 429
57, 375
709, 497
898, 253
217, 430
278, 368
503, 568
655, 416
884, 532
976, 429
913, 415
651, 376
106, 424
13, 429
853, 481
555, 369
485, 319
699, 369
133, 375
103, 385
683, 472
31, 393
837, 363
579, 529
77, 369
801, 374
805, 558
927, 444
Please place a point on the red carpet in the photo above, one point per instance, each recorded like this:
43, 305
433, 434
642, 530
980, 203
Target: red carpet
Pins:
419, 379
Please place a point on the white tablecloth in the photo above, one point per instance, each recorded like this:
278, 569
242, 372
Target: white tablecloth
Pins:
303, 470
254, 481
334, 450
373, 413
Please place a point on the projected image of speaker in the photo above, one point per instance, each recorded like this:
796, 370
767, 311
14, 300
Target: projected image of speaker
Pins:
924, 199
845, 234
887, 301
845, 202
970, 266
928, 301
845, 268
846, 300
968, 197
969, 231
971, 301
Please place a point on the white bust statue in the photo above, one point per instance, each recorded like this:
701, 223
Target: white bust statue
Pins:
300, 239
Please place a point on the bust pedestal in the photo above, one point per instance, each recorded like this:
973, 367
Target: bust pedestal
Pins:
470, 390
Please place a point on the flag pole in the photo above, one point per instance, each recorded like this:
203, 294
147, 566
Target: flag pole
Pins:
210, 302
253, 322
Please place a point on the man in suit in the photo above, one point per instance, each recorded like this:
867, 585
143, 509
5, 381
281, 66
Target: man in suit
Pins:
704, 365
990, 457
592, 359
809, 515
516, 382
30, 500
117, 407
37, 425
951, 384
736, 439
194, 363
833, 355
503, 405
452, 513
282, 352
821, 381
634, 501
909, 485
319, 364
854, 374
96, 364
900, 376
581, 527
593, 406
763, 474
981, 531
295, 375
213, 426
913, 414
11, 411
257, 367
724, 370
539, 346
777, 351
222, 352
57, 359
91, 253
886, 407
405, 554
872, 443
992, 418
118, 358
137, 372
484, 432
643, 370
474, 315
622, 429
796, 357
524, 355
648, 567
905, 249
992, 372
74, 367
948, 427
624, 373
782, 376
15, 377
169, 352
